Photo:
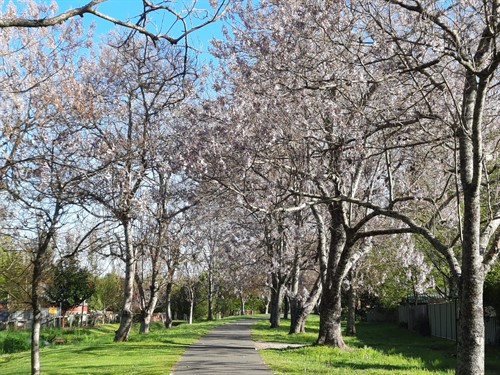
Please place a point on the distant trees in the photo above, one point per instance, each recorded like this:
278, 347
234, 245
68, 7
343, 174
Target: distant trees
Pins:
69, 285
15, 275
138, 86
108, 293
310, 155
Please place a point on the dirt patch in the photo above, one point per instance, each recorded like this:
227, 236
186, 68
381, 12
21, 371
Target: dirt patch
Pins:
275, 345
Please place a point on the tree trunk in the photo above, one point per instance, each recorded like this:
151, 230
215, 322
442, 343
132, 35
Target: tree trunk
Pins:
293, 300
128, 296
330, 332
35, 342
470, 345
286, 306
210, 295
145, 321
242, 304
296, 307
276, 298
38, 264
168, 307
147, 314
351, 313
352, 298
191, 309
299, 310
36, 324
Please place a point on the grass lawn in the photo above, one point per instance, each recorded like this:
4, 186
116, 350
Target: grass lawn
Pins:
377, 349
92, 351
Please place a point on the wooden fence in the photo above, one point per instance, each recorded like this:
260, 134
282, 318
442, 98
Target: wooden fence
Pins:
440, 320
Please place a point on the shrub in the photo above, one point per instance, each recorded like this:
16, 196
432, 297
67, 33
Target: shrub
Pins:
13, 343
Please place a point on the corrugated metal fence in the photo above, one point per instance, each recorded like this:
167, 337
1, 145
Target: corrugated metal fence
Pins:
440, 320
443, 319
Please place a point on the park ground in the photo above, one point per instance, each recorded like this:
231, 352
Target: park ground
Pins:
377, 349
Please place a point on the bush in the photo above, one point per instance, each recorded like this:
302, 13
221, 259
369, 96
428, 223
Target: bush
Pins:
13, 343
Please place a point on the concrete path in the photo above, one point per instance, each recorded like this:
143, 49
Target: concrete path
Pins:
227, 349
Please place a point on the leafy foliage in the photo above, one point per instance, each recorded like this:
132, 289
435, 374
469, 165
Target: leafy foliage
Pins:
108, 292
70, 285
13, 343
14, 275
492, 289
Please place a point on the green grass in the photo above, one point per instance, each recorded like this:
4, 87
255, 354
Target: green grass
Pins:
377, 349
92, 351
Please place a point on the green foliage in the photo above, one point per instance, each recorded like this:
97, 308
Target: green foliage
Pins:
393, 271
15, 274
70, 285
180, 304
108, 293
14, 342
492, 289
256, 304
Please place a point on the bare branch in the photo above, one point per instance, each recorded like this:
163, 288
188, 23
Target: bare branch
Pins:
50, 21
90, 8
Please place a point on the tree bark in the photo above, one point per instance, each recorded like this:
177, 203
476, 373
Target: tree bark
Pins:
276, 298
145, 321
352, 298
330, 332
299, 311
294, 302
147, 314
168, 306
242, 304
127, 314
210, 294
191, 309
470, 345
38, 266
286, 306
149, 300
296, 308
36, 322
35, 342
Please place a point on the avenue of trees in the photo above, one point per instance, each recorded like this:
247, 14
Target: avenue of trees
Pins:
326, 149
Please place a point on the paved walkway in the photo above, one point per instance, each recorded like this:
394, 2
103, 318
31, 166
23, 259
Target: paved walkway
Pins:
227, 349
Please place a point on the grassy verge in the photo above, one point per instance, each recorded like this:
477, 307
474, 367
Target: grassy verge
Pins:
377, 349
92, 351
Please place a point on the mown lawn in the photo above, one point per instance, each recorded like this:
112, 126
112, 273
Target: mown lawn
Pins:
377, 349
92, 351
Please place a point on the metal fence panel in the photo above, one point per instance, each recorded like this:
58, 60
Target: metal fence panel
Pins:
491, 331
403, 314
443, 321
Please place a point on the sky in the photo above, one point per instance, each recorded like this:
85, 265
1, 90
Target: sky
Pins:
127, 9
124, 9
